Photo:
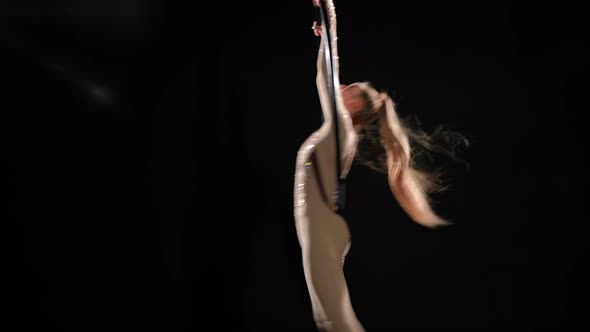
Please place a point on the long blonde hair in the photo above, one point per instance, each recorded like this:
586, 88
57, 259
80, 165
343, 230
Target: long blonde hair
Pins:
410, 186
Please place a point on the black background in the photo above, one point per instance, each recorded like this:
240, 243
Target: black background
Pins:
148, 154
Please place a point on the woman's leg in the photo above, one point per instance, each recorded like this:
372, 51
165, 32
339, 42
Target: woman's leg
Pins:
323, 259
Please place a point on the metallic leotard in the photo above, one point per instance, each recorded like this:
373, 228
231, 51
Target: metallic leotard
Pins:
323, 234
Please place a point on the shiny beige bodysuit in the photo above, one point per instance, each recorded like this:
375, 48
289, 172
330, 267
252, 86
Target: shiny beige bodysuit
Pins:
323, 234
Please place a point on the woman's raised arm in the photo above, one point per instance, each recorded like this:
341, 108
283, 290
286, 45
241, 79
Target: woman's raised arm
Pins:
322, 71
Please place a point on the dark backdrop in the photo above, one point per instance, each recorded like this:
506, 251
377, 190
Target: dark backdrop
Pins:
148, 154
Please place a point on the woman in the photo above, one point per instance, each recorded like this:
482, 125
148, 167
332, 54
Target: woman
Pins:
366, 119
